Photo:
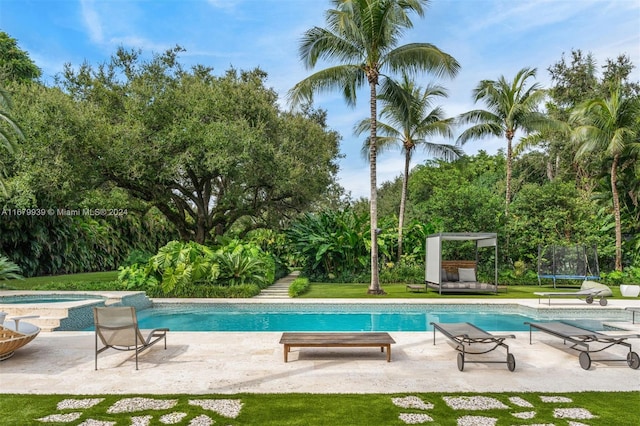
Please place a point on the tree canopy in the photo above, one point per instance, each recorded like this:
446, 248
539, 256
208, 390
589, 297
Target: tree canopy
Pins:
212, 153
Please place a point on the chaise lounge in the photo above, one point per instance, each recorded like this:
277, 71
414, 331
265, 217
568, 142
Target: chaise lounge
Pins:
583, 337
468, 339
588, 294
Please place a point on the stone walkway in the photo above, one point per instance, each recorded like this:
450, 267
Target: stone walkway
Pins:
279, 289
418, 411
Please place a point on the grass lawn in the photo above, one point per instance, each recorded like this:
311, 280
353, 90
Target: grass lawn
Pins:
104, 280
61, 282
606, 408
352, 291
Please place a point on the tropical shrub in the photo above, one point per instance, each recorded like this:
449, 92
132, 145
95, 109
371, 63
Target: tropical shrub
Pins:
331, 244
406, 271
298, 287
54, 245
242, 263
137, 256
276, 244
189, 269
8, 269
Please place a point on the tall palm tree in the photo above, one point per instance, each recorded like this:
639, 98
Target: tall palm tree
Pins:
362, 37
609, 126
407, 120
511, 106
5, 136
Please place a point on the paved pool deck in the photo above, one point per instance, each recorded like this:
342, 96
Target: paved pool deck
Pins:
231, 362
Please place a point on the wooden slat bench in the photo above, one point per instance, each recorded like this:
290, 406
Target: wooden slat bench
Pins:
338, 340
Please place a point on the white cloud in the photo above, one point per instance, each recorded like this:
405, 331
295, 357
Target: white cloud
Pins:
91, 21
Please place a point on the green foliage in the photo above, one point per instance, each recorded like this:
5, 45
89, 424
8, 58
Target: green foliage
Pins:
60, 244
552, 213
15, 63
402, 272
274, 243
298, 287
189, 269
9, 270
82, 286
137, 256
244, 263
331, 244
211, 152
179, 265
630, 275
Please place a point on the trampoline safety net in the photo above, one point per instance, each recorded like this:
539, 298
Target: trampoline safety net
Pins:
577, 262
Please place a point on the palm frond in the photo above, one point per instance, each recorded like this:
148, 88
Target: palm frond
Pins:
418, 57
347, 78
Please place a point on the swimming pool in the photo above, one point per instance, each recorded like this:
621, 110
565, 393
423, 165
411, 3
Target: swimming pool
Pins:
346, 317
46, 298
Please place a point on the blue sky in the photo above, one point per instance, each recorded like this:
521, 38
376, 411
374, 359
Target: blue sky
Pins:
489, 38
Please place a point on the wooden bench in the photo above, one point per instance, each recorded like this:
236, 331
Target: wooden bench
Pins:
339, 340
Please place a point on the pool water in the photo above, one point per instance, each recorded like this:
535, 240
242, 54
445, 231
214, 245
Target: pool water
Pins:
326, 321
35, 299
259, 318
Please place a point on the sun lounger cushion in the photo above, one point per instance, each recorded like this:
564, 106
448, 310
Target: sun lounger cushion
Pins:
587, 285
467, 285
467, 274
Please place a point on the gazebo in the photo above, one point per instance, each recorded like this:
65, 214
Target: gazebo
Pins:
456, 275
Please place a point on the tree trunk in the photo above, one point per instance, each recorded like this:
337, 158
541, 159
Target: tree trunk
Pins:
616, 211
374, 287
403, 201
510, 135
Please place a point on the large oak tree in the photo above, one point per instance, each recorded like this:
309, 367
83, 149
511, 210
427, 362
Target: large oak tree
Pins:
212, 153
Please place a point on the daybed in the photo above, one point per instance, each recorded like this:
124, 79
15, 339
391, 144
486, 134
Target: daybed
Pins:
458, 276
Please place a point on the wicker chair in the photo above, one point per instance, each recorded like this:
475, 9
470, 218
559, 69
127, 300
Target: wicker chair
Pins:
13, 337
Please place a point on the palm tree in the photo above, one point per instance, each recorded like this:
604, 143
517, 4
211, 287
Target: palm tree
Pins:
5, 138
409, 120
609, 126
362, 37
510, 106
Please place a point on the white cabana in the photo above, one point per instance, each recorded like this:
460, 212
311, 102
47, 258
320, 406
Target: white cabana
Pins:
434, 266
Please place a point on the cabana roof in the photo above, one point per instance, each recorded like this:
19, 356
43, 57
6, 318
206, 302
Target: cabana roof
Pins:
490, 237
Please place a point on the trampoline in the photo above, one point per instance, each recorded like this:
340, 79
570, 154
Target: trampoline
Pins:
577, 262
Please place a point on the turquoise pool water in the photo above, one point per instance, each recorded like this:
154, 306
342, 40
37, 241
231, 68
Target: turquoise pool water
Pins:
314, 317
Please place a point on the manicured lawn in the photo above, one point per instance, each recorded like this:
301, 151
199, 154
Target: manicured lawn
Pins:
61, 282
352, 291
607, 408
